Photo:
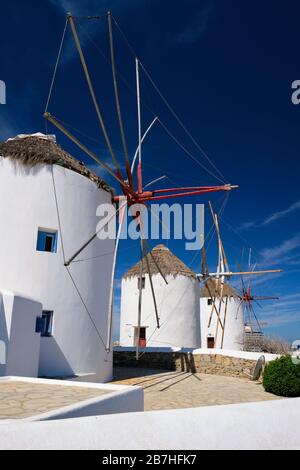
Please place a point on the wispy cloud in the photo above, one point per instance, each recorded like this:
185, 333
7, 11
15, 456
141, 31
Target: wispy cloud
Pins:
280, 251
102, 173
89, 8
295, 295
283, 312
198, 26
272, 217
284, 318
92, 7
279, 215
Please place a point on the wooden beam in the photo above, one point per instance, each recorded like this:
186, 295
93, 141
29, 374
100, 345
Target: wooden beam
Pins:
225, 318
242, 273
91, 89
68, 134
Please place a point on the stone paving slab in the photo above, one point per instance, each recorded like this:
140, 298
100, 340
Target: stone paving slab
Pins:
23, 399
165, 390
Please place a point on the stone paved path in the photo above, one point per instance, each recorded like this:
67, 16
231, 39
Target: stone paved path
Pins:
173, 390
22, 400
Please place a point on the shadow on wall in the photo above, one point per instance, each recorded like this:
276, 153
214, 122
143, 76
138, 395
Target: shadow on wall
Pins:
171, 315
3, 339
166, 360
2, 358
21, 169
187, 363
58, 366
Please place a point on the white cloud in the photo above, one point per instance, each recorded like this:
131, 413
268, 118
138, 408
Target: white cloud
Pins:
247, 225
279, 215
87, 32
92, 7
198, 26
288, 303
284, 318
281, 313
296, 295
281, 250
272, 217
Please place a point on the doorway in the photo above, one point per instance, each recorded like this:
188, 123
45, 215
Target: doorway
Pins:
141, 339
210, 343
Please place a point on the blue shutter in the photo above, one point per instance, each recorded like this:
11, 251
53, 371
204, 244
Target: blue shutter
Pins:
41, 241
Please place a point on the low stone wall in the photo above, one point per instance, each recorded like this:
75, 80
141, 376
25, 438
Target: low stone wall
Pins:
188, 362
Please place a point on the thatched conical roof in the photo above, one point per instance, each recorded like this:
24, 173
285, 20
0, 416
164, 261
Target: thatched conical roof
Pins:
167, 262
36, 149
212, 288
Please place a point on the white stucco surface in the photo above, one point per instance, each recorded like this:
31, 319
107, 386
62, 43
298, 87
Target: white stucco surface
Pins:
27, 203
20, 342
234, 326
178, 309
258, 426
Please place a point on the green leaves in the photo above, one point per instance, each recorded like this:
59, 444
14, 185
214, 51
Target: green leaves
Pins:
282, 377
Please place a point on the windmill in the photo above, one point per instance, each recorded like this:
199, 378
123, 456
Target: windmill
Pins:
248, 298
131, 183
220, 293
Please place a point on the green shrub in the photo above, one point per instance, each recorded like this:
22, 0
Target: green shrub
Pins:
282, 377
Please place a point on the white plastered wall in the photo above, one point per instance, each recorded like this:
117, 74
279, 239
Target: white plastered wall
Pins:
27, 203
178, 309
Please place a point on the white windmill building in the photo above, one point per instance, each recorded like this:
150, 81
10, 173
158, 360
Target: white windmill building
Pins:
177, 301
48, 204
222, 319
223, 310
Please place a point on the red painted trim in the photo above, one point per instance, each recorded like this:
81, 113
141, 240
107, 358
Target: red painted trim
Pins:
192, 193
140, 179
192, 188
150, 195
129, 176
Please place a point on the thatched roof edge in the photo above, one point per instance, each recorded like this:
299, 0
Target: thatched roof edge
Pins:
169, 264
38, 149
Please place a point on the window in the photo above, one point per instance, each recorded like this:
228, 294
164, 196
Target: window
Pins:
47, 241
44, 324
210, 343
209, 301
143, 283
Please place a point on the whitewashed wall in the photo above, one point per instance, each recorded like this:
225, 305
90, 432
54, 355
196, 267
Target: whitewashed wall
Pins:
178, 308
17, 335
234, 328
27, 202
270, 425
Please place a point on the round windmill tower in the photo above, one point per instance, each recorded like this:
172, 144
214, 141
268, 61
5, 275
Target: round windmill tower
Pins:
222, 322
48, 200
177, 297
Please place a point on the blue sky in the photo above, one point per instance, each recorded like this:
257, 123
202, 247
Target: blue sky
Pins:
227, 69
